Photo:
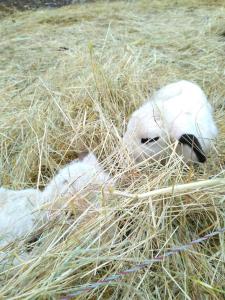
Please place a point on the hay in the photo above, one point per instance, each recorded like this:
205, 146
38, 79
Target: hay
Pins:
69, 80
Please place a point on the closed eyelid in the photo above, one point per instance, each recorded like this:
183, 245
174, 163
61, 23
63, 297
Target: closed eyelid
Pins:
148, 140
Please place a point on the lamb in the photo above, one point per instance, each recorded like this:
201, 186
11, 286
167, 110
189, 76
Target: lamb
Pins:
177, 112
18, 211
77, 179
22, 210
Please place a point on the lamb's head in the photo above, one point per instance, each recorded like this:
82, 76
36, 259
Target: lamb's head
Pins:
178, 112
98, 176
77, 178
146, 135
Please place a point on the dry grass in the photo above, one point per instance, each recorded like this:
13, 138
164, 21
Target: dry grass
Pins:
69, 80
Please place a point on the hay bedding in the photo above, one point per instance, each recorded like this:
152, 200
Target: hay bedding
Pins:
70, 79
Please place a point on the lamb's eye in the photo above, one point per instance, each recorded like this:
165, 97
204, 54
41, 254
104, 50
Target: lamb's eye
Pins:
147, 140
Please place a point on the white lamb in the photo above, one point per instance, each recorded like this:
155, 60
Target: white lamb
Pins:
177, 112
18, 212
21, 210
77, 179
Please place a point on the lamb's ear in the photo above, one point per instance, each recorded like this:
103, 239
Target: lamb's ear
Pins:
82, 155
91, 159
193, 142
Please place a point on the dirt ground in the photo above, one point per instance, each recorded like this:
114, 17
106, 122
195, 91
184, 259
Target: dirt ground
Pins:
33, 4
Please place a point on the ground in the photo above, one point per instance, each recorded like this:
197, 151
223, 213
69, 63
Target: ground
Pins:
69, 80
33, 4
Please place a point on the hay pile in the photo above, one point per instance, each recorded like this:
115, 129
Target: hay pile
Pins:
69, 80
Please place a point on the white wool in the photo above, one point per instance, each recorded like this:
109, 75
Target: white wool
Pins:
18, 213
21, 210
76, 178
176, 109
